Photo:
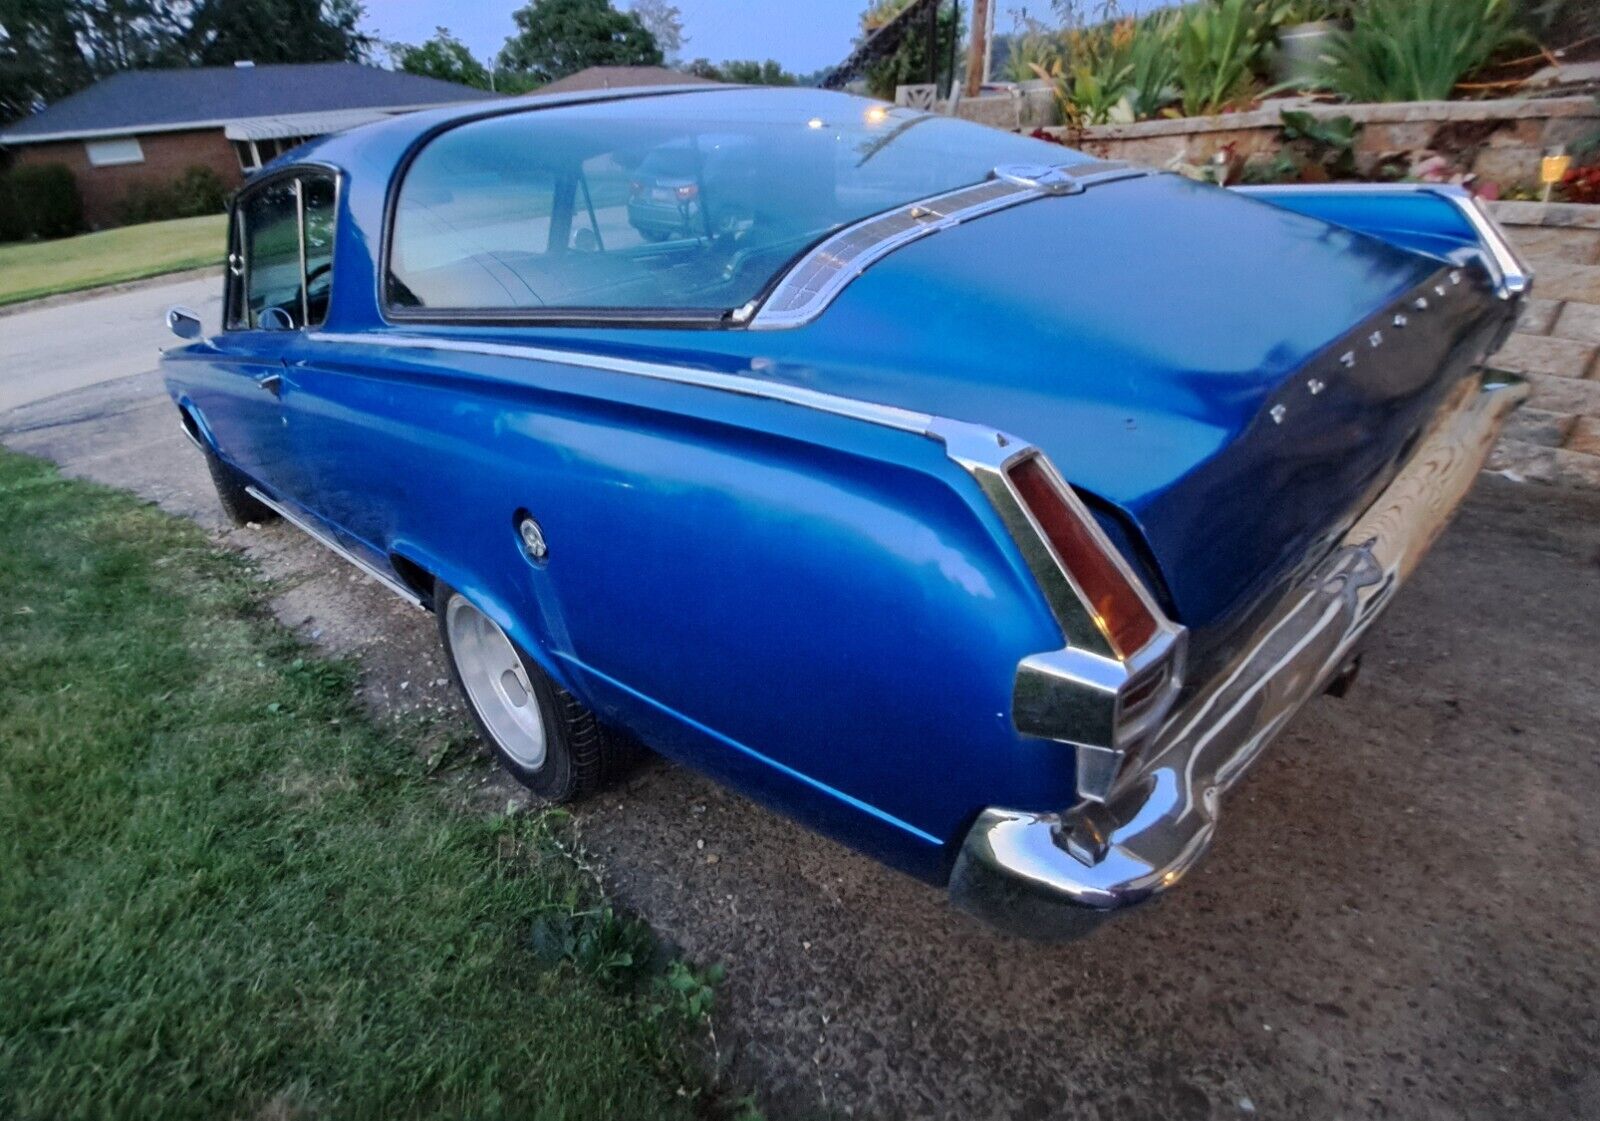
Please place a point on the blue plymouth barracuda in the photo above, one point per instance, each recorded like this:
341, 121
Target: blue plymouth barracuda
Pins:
979, 503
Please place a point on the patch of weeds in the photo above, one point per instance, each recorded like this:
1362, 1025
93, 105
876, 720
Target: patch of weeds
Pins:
228, 893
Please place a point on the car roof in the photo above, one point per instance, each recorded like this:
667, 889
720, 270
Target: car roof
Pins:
379, 146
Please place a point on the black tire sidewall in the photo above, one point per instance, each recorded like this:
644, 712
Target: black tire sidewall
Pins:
554, 779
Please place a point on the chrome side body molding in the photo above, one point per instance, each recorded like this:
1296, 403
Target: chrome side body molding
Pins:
816, 279
321, 538
887, 416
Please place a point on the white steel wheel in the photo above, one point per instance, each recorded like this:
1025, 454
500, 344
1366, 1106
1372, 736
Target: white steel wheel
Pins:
496, 683
546, 740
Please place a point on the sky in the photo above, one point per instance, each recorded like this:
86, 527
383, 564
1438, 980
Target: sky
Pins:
803, 35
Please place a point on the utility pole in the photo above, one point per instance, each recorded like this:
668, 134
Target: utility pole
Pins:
978, 47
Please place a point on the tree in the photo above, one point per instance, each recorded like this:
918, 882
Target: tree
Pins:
444, 57
559, 37
748, 72
129, 34
40, 58
52, 48
910, 64
267, 31
663, 21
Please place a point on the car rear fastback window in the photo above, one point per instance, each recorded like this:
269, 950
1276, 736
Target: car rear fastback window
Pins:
688, 202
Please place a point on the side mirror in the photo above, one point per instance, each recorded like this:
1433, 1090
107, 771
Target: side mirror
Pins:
274, 319
184, 323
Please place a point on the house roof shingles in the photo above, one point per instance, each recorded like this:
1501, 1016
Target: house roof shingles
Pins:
622, 77
136, 101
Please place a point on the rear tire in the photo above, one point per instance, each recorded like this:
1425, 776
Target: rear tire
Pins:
236, 502
541, 734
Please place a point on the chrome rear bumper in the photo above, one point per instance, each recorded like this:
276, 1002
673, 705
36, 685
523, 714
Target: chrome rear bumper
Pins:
1060, 875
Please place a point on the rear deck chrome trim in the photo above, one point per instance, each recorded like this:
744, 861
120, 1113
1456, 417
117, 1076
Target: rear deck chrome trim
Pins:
816, 279
1511, 275
333, 546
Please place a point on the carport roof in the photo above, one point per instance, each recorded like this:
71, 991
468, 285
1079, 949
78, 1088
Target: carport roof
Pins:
142, 101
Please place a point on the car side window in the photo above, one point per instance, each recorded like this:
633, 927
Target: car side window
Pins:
319, 198
272, 252
283, 254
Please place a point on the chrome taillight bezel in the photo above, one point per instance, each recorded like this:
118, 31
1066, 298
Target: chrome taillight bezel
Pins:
1086, 694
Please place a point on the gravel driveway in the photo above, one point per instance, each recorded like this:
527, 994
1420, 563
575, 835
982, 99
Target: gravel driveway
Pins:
1401, 918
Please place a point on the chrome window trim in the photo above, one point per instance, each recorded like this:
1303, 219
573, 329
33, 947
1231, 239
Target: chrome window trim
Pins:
295, 172
1511, 275
323, 539
795, 300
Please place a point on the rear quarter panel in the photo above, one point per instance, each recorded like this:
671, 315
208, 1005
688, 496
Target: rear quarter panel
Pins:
821, 612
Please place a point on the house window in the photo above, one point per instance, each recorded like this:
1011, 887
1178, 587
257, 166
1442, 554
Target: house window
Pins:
249, 155
111, 153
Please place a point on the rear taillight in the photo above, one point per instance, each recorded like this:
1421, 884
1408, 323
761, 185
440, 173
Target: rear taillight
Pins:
1119, 610
688, 191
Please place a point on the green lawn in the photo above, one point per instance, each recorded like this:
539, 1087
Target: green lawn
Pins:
225, 892
29, 270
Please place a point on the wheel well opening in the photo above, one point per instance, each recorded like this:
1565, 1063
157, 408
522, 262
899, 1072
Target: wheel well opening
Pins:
415, 577
190, 425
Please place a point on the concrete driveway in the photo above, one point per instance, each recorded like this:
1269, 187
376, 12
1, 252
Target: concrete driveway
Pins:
1401, 918
82, 342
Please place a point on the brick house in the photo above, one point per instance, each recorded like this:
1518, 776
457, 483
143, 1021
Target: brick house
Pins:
146, 127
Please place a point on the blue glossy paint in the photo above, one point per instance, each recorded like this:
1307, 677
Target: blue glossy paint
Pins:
825, 613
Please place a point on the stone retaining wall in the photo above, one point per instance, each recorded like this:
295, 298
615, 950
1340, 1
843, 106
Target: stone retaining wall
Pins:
1500, 141
1555, 438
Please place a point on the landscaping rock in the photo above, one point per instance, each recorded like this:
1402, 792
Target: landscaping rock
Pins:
1539, 426
1572, 215
1575, 469
1577, 321
1585, 436
1564, 395
1543, 354
1560, 280
1577, 246
1528, 463
1538, 316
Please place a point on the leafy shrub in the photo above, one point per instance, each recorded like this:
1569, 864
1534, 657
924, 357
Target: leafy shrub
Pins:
202, 190
10, 220
1414, 50
1219, 47
197, 191
908, 65
39, 201
1123, 71
1582, 184
1322, 149
1032, 52
1154, 84
1315, 11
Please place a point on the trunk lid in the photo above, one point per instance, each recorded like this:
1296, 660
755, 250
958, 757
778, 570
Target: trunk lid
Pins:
1228, 375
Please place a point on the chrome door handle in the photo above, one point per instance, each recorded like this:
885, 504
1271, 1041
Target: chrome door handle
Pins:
272, 383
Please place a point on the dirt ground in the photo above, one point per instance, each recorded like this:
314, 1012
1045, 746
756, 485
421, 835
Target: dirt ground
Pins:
1401, 918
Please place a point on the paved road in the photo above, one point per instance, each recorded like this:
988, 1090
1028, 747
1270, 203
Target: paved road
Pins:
84, 342
1401, 919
